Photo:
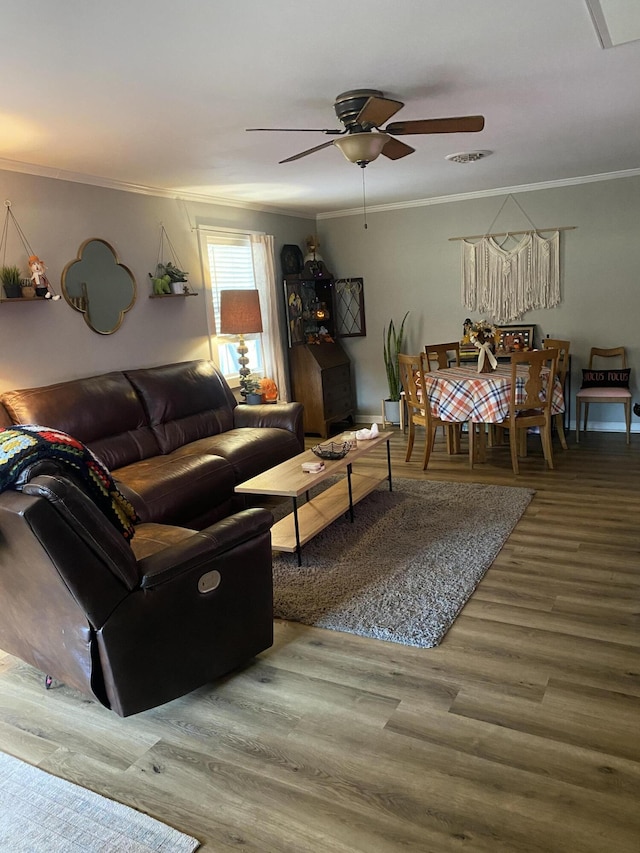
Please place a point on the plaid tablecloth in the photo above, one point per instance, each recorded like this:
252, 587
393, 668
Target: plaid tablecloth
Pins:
459, 394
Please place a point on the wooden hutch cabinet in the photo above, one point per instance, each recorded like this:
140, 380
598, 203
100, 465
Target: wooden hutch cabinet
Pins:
321, 379
320, 368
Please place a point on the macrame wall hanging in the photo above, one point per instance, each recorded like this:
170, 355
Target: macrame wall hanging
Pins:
504, 282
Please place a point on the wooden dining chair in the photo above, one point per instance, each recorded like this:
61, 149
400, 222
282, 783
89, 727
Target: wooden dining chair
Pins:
535, 409
563, 365
412, 370
440, 356
604, 394
443, 355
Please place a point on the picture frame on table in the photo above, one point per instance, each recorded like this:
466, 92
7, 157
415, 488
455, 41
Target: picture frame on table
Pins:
515, 338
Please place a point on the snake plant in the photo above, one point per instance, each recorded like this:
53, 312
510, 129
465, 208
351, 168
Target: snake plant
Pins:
393, 342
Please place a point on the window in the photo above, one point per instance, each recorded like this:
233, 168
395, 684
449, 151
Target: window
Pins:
228, 262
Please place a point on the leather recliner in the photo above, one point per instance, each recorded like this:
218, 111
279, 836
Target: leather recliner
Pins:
132, 624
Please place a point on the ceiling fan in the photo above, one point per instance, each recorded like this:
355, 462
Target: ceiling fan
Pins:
362, 112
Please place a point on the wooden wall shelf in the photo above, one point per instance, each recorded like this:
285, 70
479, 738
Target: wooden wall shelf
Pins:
25, 299
170, 295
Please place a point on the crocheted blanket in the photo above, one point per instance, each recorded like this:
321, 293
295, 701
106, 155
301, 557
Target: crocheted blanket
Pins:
21, 446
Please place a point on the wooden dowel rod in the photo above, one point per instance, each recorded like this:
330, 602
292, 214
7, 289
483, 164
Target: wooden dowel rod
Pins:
513, 233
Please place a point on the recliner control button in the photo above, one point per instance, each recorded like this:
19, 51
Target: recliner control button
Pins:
209, 582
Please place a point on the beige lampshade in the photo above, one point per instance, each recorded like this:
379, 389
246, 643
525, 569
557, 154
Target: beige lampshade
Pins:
240, 312
362, 148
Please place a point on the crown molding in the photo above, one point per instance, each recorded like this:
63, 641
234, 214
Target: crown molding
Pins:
202, 198
447, 199
141, 189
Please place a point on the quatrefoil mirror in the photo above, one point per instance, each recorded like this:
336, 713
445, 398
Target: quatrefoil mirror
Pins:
98, 286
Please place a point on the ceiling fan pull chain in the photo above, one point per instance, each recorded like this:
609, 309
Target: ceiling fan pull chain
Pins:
364, 202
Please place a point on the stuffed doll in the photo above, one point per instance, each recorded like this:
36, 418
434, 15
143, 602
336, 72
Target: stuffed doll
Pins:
40, 280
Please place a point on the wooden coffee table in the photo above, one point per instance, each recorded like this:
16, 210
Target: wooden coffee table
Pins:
307, 520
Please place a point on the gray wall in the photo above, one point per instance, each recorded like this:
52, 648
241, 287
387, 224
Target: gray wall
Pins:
409, 264
405, 258
47, 342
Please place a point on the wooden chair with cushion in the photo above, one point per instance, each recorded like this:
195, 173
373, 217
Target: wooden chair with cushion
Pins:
443, 355
412, 370
604, 394
563, 365
535, 409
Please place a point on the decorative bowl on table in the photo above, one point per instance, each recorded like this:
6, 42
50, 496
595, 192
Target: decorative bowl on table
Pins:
332, 449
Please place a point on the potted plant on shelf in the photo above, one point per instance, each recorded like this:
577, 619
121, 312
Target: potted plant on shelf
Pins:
169, 279
253, 390
393, 342
11, 281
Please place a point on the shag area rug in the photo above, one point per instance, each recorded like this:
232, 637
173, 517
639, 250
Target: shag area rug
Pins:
406, 566
40, 813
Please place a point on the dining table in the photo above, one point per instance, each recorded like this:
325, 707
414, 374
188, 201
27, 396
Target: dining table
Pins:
462, 395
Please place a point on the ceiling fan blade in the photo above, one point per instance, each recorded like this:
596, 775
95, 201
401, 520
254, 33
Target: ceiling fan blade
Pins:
461, 124
377, 110
295, 129
308, 151
395, 149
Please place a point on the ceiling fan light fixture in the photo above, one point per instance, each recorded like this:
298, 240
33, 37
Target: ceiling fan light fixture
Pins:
467, 156
362, 148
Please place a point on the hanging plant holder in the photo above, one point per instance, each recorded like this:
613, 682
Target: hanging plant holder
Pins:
169, 277
37, 283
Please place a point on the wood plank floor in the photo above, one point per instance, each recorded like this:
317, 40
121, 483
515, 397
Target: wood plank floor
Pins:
520, 732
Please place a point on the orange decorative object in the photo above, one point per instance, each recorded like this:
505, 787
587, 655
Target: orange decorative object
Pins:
269, 390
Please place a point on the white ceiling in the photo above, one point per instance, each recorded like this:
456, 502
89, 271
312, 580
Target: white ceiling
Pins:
158, 94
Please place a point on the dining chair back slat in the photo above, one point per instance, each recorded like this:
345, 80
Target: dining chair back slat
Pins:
440, 356
563, 348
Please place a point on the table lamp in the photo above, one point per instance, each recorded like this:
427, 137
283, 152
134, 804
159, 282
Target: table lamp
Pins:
240, 315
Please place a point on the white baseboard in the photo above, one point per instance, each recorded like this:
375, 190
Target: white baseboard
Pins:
603, 426
596, 426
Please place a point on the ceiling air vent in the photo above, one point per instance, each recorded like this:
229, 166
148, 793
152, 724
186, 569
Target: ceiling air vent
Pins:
467, 156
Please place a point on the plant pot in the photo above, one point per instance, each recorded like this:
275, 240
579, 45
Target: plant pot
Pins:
28, 292
13, 291
253, 399
177, 287
392, 411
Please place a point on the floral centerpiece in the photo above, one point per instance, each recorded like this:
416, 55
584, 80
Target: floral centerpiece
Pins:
482, 332
483, 335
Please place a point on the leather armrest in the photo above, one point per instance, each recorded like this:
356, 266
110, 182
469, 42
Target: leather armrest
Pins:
281, 415
5, 418
204, 546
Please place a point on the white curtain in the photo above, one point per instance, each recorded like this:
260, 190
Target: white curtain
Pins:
262, 247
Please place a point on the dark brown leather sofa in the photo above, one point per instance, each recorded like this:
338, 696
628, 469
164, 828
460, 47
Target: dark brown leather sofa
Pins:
172, 436
132, 625
190, 598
